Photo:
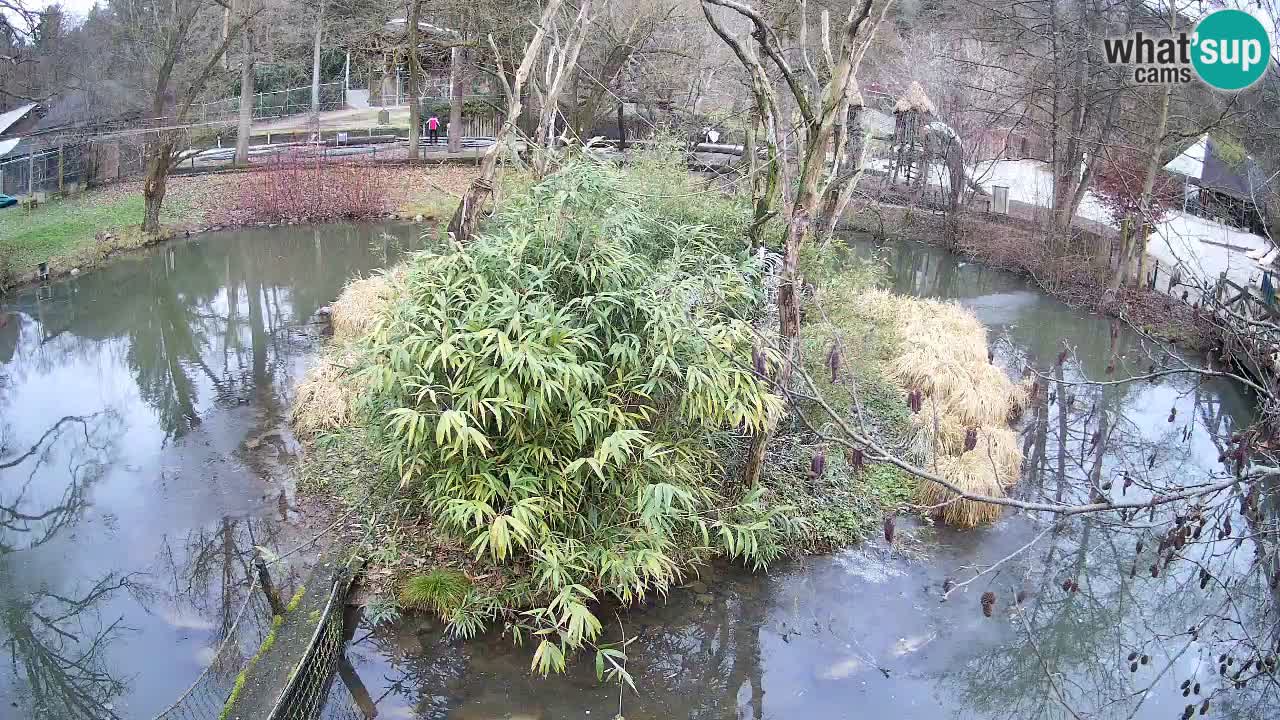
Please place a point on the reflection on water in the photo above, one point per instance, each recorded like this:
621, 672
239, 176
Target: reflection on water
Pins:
863, 633
143, 455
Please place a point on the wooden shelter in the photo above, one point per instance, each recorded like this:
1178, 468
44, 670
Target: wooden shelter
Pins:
911, 149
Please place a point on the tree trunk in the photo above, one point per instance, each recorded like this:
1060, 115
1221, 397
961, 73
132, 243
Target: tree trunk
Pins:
245, 126
415, 101
387, 88
622, 128
840, 190
153, 186
315, 72
1149, 181
457, 97
1120, 272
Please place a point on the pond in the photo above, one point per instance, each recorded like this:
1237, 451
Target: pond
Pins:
144, 453
863, 633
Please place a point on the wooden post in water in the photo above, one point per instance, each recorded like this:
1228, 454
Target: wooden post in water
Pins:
273, 597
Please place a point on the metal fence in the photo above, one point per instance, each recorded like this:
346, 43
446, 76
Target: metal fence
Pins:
54, 170
277, 104
311, 681
206, 698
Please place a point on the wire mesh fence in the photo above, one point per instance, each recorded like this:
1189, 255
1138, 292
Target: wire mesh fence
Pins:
278, 103
44, 171
310, 682
206, 697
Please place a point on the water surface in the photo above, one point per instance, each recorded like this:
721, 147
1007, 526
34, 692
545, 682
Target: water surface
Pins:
143, 455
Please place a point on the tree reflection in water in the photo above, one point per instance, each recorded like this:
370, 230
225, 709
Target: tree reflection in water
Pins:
57, 647
1118, 616
57, 640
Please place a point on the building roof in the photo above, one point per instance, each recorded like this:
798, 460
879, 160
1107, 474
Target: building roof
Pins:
1203, 164
7, 145
13, 116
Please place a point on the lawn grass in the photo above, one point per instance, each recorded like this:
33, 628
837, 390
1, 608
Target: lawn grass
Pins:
65, 232
58, 228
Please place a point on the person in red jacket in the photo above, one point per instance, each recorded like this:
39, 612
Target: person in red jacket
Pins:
433, 129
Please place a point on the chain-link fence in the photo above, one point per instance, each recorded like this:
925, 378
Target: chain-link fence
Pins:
206, 697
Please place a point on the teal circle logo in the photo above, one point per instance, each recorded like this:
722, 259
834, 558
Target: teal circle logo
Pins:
1232, 49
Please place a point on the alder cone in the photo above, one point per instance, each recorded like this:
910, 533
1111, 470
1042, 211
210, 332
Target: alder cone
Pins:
988, 603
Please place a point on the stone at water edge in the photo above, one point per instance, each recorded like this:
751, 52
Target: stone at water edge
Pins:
418, 218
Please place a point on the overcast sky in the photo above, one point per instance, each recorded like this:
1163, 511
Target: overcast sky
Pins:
1264, 10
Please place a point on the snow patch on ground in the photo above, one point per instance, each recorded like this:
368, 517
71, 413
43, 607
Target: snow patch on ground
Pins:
1206, 248
1202, 248
1198, 245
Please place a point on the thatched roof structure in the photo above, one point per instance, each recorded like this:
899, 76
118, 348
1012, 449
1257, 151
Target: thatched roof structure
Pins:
914, 99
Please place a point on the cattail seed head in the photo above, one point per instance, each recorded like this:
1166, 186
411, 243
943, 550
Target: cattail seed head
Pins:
970, 439
889, 530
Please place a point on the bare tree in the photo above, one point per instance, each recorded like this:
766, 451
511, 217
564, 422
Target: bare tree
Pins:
172, 51
315, 69
245, 125
479, 196
822, 107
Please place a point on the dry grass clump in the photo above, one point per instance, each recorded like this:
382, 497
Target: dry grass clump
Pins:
357, 307
973, 472
326, 399
963, 423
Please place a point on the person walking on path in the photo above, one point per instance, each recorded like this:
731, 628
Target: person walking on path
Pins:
433, 129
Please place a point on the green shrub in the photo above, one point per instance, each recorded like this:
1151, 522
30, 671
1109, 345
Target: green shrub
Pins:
554, 392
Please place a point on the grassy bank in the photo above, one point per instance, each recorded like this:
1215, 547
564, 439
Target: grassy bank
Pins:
77, 232
81, 232
555, 417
